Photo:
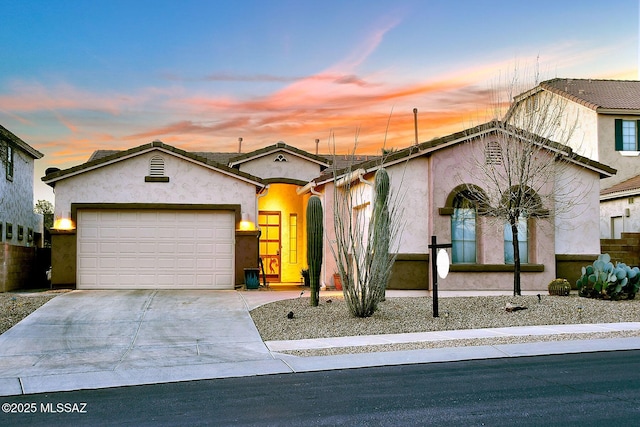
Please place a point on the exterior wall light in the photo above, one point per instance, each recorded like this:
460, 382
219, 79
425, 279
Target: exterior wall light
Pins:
245, 223
64, 223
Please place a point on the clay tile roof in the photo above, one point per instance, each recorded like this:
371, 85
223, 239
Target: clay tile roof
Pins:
598, 94
628, 185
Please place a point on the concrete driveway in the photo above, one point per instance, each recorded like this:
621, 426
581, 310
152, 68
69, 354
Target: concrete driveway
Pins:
91, 339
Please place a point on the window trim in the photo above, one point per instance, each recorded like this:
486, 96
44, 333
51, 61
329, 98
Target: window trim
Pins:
454, 242
478, 198
619, 138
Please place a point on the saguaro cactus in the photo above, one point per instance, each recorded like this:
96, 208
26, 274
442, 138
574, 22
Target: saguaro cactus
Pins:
314, 246
381, 229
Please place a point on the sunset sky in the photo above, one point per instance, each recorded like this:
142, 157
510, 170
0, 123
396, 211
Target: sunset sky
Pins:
77, 76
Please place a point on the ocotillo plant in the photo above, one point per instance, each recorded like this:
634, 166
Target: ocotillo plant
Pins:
314, 246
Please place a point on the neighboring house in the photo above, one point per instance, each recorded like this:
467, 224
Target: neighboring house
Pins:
607, 118
156, 216
620, 208
21, 229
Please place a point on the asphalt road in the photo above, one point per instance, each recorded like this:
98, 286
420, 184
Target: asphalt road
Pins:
591, 389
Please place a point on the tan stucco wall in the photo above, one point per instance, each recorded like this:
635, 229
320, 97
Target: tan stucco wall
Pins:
294, 168
329, 263
584, 137
409, 185
579, 127
63, 259
577, 215
124, 182
246, 253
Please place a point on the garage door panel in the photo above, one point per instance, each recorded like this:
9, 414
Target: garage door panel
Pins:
155, 249
87, 247
104, 263
223, 264
109, 248
223, 249
166, 247
145, 232
87, 263
205, 247
128, 248
186, 249
146, 247
189, 263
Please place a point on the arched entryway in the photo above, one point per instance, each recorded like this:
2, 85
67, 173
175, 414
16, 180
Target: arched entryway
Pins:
281, 220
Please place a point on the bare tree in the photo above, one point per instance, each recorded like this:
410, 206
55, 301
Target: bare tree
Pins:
524, 164
367, 227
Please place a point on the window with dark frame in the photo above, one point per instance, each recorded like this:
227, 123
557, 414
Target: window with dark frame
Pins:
627, 133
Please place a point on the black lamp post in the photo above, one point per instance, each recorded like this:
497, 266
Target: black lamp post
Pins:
434, 246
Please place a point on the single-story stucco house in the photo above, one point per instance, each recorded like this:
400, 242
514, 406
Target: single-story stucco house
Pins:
156, 216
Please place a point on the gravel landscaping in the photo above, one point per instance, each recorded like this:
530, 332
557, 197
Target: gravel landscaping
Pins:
15, 306
401, 315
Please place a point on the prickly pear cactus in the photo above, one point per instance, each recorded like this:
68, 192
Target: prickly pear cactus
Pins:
604, 280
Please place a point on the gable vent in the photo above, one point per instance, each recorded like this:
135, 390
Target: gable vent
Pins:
156, 166
492, 153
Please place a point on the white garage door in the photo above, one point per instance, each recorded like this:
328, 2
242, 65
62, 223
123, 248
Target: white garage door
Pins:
144, 249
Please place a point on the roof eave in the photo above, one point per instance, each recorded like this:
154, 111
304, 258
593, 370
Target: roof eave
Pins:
134, 152
618, 111
620, 194
243, 158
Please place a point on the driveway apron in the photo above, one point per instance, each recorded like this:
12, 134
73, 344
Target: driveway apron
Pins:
131, 330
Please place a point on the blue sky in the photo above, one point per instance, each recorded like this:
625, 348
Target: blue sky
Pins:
77, 76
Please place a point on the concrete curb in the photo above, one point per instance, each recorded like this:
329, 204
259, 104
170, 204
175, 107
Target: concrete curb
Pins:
285, 364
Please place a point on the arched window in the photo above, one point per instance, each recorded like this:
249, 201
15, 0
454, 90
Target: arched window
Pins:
523, 241
156, 166
463, 230
526, 204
